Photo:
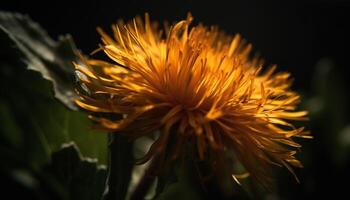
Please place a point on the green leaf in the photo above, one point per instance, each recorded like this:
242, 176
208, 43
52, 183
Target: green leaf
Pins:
35, 124
53, 60
11, 134
81, 177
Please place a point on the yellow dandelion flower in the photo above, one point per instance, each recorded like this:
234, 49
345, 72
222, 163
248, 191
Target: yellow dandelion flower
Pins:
193, 84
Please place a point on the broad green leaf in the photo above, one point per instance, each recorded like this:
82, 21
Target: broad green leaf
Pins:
53, 60
80, 177
69, 175
36, 124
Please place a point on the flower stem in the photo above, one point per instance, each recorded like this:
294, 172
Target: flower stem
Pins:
119, 167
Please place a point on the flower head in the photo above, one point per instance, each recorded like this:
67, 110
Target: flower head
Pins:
196, 85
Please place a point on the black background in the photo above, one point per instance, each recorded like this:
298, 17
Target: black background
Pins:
292, 34
295, 35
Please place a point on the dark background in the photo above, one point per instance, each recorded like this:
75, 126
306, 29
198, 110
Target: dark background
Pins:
294, 35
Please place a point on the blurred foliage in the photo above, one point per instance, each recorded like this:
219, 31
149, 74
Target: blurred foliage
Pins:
326, 158
50, 151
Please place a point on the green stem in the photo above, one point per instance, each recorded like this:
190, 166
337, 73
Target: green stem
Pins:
120, 165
